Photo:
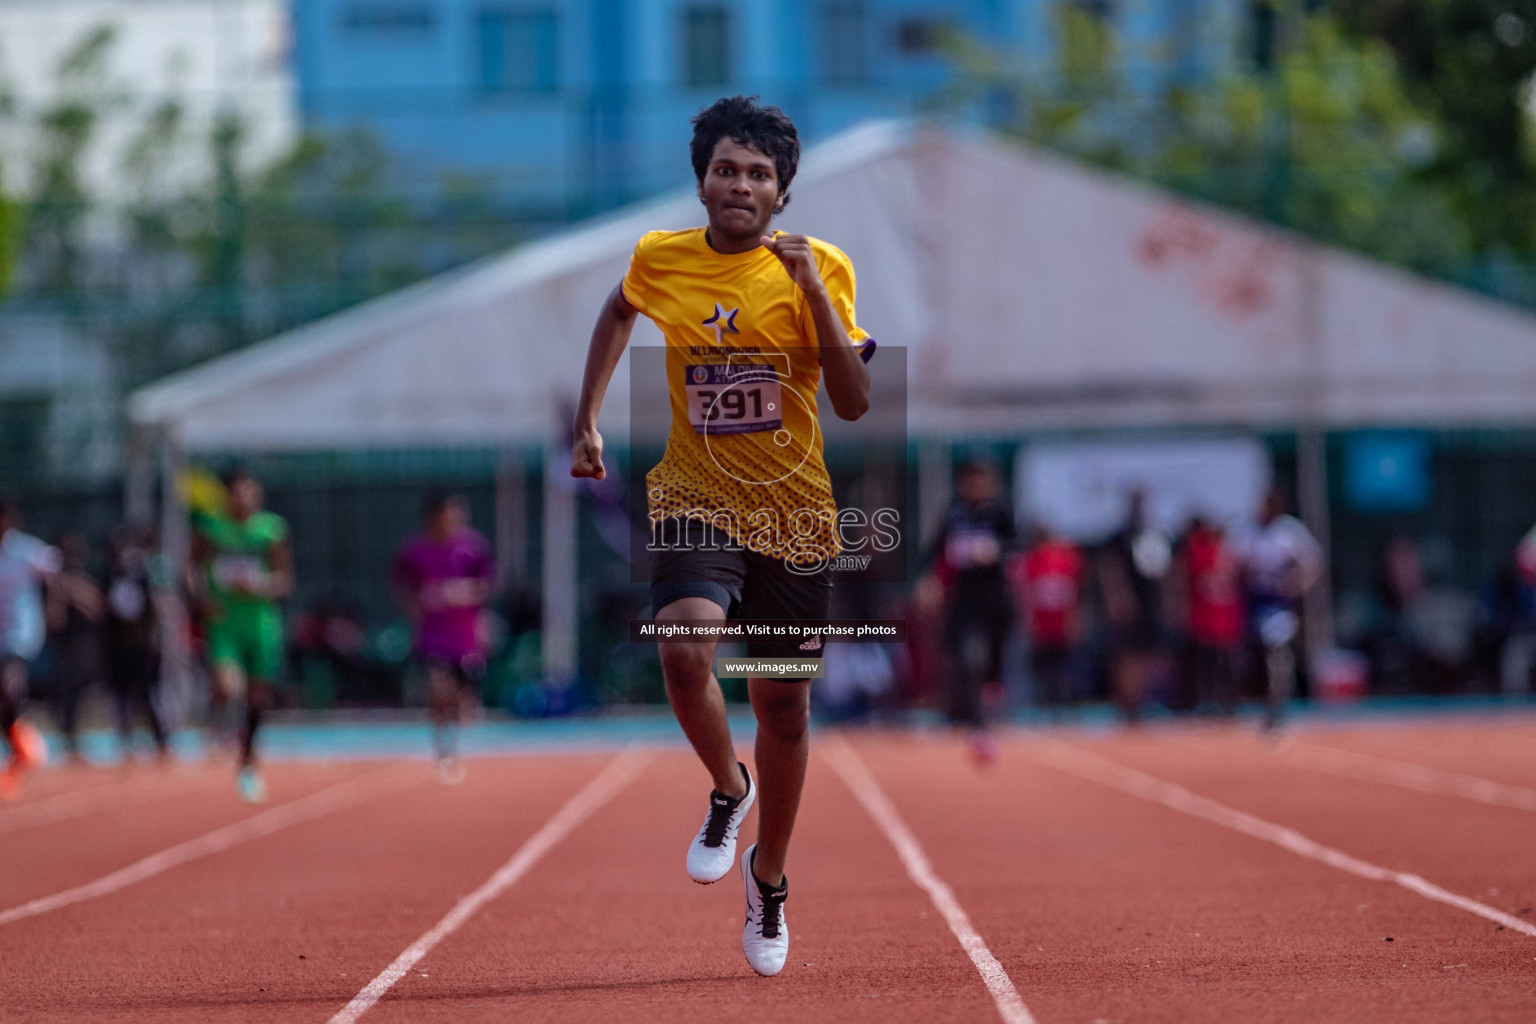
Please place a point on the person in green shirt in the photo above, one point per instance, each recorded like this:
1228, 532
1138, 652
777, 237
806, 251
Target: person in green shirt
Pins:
244, 568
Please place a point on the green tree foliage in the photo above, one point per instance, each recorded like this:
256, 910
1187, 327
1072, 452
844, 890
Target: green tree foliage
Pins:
195, 267
64, 131
1470, 62
1322, 132
1328, 143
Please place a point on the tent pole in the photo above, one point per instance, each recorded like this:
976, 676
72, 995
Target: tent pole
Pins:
935, 472
139, 478
1312, 504
511, 519
175, 542
559, 565
1312, 457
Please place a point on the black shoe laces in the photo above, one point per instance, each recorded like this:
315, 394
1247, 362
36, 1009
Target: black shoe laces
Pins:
773, 911
720, 810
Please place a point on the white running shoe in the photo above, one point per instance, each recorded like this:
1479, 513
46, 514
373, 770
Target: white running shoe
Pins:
765, 939
713, 850
251, 786
450, 771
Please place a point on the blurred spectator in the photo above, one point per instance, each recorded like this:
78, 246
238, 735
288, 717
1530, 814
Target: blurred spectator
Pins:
335, 661
131, 636
857, 677
1132, 566
1281, 561
75, 609
968, 557
1517, 660
26, 566
1389, 643
1048, 580
1440, 623
1213, 601
924, 612
1421, 633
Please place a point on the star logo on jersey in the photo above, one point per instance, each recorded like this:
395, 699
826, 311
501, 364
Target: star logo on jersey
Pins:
723, 323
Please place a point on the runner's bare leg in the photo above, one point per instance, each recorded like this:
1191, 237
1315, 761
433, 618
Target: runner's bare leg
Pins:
783, 745
694, 692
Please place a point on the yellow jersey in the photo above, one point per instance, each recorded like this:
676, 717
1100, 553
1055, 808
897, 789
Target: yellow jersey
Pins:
743, 366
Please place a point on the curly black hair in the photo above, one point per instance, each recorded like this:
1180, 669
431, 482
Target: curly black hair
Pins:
766, 129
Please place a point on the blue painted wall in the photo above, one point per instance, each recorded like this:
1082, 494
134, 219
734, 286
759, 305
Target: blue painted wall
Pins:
607, 120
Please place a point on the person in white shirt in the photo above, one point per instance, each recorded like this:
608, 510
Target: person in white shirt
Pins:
26, 566
1281, 561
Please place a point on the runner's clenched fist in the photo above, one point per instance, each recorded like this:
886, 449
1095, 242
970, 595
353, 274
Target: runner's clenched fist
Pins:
794, 251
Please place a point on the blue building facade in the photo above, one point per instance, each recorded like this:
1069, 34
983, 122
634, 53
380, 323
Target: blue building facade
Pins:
566, 107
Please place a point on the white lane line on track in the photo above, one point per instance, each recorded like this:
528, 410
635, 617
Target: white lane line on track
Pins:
1371, 768
344, 794
617, 774
1104, 771
107, 797
837, 753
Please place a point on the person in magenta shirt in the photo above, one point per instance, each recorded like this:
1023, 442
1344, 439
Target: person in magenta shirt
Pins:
443, 577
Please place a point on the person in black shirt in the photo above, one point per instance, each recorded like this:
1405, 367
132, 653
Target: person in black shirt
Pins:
1132, 567
74, 616
969, 557
131, 636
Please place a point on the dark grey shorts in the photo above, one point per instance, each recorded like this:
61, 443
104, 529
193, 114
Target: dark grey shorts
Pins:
745, 584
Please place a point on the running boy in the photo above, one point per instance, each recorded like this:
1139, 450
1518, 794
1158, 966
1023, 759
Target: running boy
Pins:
443, 577
752, 321
246, 568
26, 566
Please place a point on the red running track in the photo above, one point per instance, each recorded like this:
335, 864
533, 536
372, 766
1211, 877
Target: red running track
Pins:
1101, 905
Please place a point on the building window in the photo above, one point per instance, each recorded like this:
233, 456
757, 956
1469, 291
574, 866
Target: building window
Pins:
24, 436
1085, 39
920, 37
1101, 10
389, 19
519, 51
1263, 29
706, 45
844, 42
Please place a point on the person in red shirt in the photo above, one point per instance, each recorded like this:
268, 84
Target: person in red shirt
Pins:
1214, 609
1048, 580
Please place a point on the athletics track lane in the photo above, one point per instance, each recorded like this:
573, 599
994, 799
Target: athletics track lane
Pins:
609, 927
1106, 907
287, 926
1476, 850
1062, 877
46, 858
1500, 750
50, 796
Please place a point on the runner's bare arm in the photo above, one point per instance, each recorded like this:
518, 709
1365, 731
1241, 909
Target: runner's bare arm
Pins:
86, 596
609, 337
846, 375
279, 583
194, 577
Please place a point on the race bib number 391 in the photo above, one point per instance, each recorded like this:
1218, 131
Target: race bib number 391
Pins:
742, 398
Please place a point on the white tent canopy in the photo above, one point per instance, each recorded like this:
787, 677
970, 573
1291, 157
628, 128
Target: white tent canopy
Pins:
493, 353
1120, 304
1031, 292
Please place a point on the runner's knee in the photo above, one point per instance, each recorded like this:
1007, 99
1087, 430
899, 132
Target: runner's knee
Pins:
783, 709
687, 665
